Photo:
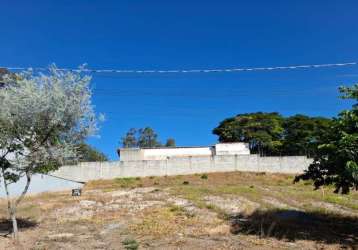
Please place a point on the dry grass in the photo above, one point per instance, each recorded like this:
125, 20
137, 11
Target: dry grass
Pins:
161, 222
254, 186
213, 211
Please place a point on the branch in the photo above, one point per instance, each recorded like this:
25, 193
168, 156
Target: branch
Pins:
45, 138
28, 181
6, 190
3, 157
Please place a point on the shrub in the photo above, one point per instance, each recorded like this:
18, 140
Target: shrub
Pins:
204, 177
130, 244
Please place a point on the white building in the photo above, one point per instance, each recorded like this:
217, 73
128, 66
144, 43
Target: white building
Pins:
161, 153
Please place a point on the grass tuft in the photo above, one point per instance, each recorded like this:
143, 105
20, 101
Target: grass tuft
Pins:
130, 244
204, 176
128, 182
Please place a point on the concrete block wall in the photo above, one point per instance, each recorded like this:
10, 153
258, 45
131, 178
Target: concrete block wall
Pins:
184, 165
173, 166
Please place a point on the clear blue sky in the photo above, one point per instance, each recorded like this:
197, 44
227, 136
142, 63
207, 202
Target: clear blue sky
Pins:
189, 34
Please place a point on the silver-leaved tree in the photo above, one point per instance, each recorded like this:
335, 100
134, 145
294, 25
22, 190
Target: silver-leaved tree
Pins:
42, 119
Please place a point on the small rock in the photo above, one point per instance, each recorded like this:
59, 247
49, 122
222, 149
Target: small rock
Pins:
61, 235
221, 229
112, 207
87, 203
111, 227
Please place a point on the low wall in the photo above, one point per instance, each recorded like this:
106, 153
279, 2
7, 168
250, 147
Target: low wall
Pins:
173, 166
184, 165
40, 183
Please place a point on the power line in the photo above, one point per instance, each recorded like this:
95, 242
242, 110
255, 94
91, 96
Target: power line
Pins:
66, 179
219, 70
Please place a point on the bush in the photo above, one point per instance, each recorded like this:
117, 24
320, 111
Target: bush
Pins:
130, 244
204, 177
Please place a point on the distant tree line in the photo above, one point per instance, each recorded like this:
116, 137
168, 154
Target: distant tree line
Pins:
273, 134
144, 138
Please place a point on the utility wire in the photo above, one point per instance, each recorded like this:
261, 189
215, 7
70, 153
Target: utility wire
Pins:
66, 179
121, 71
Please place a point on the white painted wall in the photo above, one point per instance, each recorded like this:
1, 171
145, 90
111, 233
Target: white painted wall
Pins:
131, 154
173, 166
164, 153
232, 149
136, 154
39, 184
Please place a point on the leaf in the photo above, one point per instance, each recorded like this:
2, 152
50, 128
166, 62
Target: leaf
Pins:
352, 168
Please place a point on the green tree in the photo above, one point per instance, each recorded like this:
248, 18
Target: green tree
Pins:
263, 131
336, 162
130, 139
302, 133
42, 119
87, 153
142, 138
170, 142
148, 138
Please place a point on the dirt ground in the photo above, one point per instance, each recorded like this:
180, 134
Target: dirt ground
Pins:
213, 211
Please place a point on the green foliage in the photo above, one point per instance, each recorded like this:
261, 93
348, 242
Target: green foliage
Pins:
127, 182
336, 162
303, 133
6, 77
262, 131
144, 138
130, 139
2, 73
170, 142
204, 176
87, 153
272, 134
42, 119
148, 138
130, 244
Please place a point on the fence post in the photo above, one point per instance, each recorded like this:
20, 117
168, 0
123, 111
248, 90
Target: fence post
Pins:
166, 165
235, 162
190, 163
100, 170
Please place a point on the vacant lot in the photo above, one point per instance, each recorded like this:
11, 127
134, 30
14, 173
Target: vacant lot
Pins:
213, 211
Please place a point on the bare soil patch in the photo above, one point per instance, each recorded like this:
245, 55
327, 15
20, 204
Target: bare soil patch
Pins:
223, 211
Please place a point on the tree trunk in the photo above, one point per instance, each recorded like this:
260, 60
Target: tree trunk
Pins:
12, 204
14, 223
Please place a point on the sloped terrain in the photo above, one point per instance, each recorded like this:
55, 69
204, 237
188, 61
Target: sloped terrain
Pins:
213, 211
